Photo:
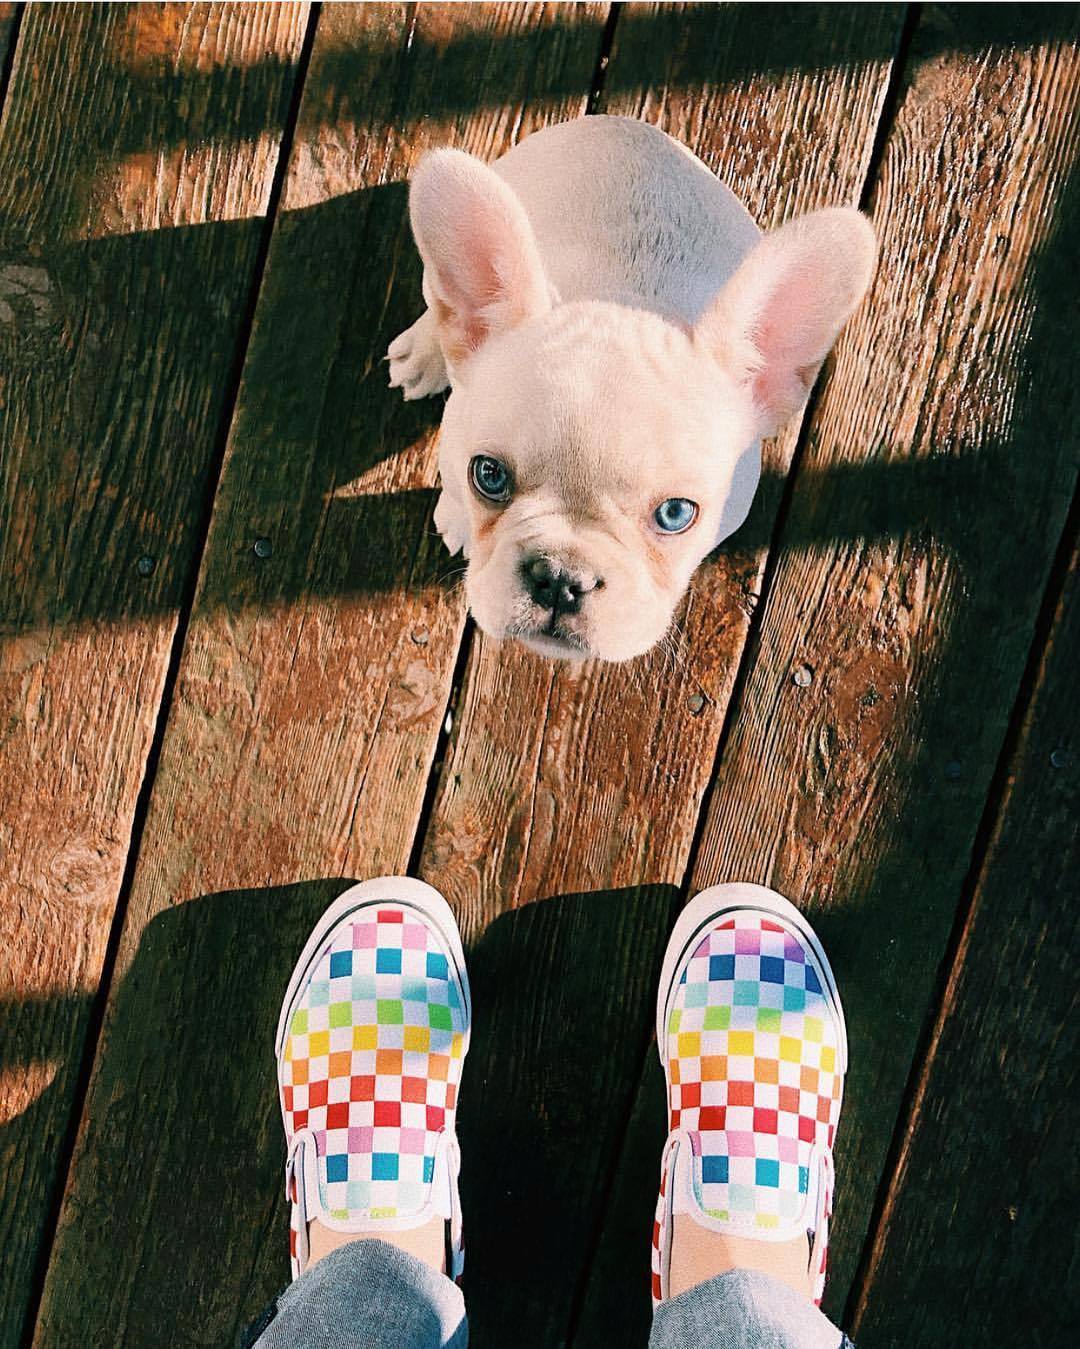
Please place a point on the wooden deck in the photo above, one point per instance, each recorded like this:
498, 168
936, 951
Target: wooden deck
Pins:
203, 253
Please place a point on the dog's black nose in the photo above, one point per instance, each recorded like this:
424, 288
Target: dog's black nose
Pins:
555, 587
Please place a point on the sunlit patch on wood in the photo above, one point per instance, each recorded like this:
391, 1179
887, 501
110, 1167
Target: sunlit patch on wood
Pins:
21, 1086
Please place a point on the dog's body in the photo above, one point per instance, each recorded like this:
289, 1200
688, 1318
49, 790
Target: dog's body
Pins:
613, 365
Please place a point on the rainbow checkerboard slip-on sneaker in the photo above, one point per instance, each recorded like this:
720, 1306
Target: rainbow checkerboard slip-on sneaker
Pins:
751, 1035
370, 1044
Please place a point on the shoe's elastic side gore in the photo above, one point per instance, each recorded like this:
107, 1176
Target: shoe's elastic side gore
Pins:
447, 1164
681, 1195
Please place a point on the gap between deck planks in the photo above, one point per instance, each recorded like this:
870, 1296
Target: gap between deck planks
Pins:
312, 684
932, 466
128, 248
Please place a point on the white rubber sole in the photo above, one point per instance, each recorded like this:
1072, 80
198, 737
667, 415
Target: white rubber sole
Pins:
703, 912
402, 890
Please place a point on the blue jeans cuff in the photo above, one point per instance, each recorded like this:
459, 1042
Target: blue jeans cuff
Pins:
366, 1295
742, 1309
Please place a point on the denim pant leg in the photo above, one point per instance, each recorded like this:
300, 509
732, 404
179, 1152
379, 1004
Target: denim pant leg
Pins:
368, 1295
742, 1310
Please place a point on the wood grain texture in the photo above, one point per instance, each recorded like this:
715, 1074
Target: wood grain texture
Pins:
581, 785
939, 469
971, 1248
127, 260
312, 686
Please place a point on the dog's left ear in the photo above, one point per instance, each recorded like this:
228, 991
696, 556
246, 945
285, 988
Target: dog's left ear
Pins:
773, 323
482, 270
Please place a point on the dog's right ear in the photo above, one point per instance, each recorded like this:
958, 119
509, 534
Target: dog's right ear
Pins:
774, 321
482, 271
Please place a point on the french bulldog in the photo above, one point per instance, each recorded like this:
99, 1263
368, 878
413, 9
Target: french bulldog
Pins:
618, 336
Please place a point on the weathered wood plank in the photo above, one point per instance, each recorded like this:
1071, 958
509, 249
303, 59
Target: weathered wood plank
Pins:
971, 1248
939, 470
581, 785
312, 686
127, 260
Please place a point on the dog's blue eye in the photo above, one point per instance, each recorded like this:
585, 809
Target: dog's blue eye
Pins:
491, 478
675, 515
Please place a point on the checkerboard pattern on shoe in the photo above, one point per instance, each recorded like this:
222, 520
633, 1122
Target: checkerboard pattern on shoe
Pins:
753, 1053
370, 1069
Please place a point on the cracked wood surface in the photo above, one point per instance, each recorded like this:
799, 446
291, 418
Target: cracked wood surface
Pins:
313, 682
128, 246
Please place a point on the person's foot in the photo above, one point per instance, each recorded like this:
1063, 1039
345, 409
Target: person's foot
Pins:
370, 1043
752, 1039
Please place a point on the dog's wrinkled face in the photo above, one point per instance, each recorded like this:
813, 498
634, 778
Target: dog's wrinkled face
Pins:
591, 453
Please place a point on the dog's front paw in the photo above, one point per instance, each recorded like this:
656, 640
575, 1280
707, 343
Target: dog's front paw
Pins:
416, 360
451, 522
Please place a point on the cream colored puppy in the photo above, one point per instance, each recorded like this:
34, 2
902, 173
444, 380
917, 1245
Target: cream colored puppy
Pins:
618, 337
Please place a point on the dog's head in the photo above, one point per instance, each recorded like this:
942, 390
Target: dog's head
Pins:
593, 454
